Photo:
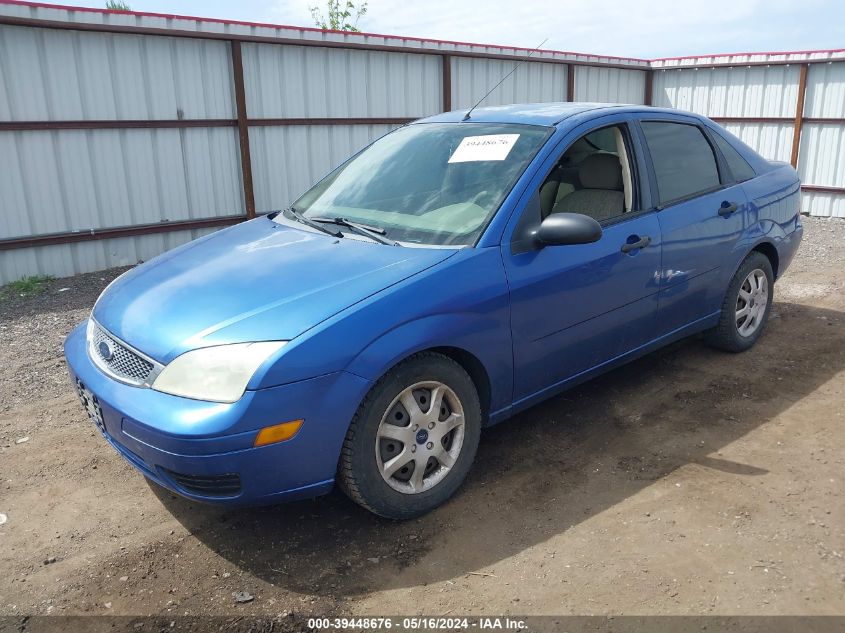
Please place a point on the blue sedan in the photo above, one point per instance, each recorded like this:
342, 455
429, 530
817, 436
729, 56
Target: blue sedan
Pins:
458, 270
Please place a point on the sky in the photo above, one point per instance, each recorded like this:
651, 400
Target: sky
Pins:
626, 28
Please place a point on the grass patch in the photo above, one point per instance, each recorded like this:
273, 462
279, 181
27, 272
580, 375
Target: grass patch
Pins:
26, 287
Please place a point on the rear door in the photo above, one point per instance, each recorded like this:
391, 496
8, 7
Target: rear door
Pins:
702, 215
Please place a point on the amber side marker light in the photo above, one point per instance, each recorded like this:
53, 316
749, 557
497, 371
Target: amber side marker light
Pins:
277, 433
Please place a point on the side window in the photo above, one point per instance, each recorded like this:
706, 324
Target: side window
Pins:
739, 167
593, 177
684, 163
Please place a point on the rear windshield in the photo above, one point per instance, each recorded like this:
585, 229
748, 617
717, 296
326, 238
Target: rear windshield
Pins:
429, 183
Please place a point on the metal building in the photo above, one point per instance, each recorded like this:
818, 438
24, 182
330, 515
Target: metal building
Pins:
125, 134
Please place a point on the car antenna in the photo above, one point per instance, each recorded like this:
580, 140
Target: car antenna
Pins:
513, 70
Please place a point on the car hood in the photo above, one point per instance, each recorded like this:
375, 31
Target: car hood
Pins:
255, 281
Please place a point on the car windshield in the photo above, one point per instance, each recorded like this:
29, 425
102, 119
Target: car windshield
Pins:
429, 183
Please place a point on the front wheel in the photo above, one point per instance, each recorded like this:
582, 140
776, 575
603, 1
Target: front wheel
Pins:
746, 307
412, 441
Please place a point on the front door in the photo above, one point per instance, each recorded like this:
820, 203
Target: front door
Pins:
576, 307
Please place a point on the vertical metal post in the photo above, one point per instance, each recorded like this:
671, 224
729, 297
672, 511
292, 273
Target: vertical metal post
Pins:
799, 115
243, 127
649, 87
447, 83
570, 82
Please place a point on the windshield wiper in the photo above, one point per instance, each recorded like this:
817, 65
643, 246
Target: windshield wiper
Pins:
374, 233
296, 215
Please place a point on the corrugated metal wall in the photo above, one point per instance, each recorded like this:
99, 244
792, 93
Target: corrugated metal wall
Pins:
148, 126
300, 82
534, 82
821, 157
90, 256
57, 75
609, 85
189, 166
746, 91
214, 27
77, 180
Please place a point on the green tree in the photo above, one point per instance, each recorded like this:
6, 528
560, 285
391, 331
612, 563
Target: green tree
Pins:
117, 5
339, 16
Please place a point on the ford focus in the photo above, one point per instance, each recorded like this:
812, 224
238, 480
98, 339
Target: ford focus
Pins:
458, 270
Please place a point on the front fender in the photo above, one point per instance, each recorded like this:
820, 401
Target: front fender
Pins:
462, 302
480, 335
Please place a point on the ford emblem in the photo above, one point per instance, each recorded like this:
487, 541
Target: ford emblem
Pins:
106, 350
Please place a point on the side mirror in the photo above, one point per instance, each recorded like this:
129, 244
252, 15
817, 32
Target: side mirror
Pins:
560, 229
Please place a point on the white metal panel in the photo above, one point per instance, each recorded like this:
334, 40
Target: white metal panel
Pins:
821, 156
76, 180
288, 160
747, 58
609, 85
54, 75
823, 204
299, 82
771, 140
825, 91
533, 82
63, 260
745, 91
211, 25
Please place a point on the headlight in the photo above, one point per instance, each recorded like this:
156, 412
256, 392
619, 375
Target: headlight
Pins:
216, 374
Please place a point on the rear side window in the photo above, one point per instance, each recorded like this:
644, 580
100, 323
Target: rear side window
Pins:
683, 160
740, 169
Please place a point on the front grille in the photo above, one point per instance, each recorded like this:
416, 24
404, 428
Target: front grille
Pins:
117, 359
227, 485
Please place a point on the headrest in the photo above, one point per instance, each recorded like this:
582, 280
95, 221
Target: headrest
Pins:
601, 171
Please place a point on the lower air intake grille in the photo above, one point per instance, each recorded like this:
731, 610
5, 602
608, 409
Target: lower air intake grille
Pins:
207, 485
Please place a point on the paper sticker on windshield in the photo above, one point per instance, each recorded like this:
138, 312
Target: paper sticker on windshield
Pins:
488, 147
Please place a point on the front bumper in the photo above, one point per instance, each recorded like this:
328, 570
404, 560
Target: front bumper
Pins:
207, 442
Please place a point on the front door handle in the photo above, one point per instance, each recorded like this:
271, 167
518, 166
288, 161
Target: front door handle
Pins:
727, 208
644, 241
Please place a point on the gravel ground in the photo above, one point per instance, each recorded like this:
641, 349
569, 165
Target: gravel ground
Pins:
688, 482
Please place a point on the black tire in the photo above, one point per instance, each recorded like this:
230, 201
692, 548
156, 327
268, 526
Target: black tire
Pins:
359, 473
726, 335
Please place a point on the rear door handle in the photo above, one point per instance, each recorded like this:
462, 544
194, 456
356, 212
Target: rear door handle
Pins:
644, 241
727, 208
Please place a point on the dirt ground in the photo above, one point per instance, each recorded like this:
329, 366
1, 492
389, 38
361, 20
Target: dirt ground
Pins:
688, 482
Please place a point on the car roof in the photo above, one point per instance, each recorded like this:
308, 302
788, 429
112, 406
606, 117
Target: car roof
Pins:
547, 114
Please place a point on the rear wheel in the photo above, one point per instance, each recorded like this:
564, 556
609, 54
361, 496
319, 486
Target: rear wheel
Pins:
413, 439
746, 307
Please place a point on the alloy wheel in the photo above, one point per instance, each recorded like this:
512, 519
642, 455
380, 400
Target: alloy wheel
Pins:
420, 437
751, 302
